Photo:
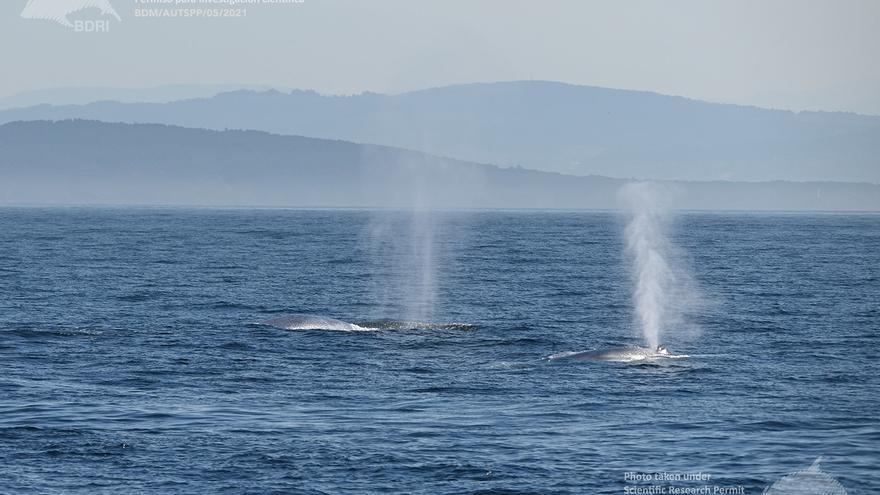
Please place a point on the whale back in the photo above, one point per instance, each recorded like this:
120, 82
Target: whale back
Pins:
617, 354
310, 322
623, 354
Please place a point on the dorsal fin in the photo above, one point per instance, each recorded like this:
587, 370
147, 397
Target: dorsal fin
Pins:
814, 468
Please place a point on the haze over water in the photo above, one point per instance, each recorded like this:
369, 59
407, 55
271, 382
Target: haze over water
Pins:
131, 361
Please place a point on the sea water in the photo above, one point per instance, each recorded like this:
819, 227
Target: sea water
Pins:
130, 361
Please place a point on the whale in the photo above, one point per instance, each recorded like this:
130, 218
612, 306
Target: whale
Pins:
318, 322
311, 322
625, 354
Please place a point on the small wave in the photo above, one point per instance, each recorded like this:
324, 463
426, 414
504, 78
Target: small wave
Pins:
236, 346
221, 304
140, 296
42, 333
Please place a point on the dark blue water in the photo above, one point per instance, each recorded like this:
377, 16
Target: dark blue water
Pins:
130, 362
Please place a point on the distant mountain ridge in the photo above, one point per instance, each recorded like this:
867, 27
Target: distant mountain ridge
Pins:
89, 162
85, 95
541, 125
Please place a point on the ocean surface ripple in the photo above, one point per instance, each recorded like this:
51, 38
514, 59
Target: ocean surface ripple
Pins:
130, 361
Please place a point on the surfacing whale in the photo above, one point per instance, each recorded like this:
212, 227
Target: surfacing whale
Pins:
619, 354
415, 325
317, 322
311, 322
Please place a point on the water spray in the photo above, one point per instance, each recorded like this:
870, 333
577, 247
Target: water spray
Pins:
648, 247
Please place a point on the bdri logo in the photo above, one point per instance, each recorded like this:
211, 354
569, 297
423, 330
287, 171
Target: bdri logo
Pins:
58, 10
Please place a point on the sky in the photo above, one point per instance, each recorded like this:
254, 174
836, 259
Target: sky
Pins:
791, 54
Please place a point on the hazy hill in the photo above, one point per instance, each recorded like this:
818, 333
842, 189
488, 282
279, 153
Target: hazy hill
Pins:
85, 95
545, 126
94, 162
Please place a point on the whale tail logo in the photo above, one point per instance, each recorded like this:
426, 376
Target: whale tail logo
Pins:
58, 10
811, 481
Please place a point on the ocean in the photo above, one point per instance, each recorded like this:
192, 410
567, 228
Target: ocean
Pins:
132, 361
